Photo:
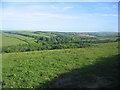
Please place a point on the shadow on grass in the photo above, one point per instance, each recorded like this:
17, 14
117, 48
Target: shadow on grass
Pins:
103, 74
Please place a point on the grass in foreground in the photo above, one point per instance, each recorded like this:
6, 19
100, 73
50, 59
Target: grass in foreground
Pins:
39, 68
102, 74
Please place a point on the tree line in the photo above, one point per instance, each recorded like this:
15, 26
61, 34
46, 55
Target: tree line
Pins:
60, 41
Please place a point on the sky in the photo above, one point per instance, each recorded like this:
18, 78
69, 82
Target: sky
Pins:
60, 16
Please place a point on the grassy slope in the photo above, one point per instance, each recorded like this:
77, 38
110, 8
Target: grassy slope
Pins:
12, 39
8, 41
33, 69
17, 36
31, 33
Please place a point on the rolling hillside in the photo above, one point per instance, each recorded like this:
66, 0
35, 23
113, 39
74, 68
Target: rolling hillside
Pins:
22, 41
80, 67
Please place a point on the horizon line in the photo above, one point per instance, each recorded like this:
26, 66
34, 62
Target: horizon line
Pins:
58, 31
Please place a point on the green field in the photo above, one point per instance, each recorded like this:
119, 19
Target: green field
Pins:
9, 40
36, 59
80, 67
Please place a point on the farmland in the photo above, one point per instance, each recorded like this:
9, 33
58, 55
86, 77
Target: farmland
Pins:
21, 41
57, 59
8, 41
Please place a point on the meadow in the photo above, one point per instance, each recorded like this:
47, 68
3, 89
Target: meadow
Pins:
8, 41
95, 65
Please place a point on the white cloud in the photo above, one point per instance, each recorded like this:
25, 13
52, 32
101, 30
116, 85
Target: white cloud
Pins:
66, 8
50, 15
34, 7
28, 14
54, 7
109, 15
115, 6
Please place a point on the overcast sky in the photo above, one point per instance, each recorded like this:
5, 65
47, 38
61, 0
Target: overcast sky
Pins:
59, 16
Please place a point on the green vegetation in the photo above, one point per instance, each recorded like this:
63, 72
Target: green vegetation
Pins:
35, 59
102, 74
35, 68
8, 41
21, 41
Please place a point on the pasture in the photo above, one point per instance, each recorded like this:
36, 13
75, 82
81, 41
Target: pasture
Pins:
55, 68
